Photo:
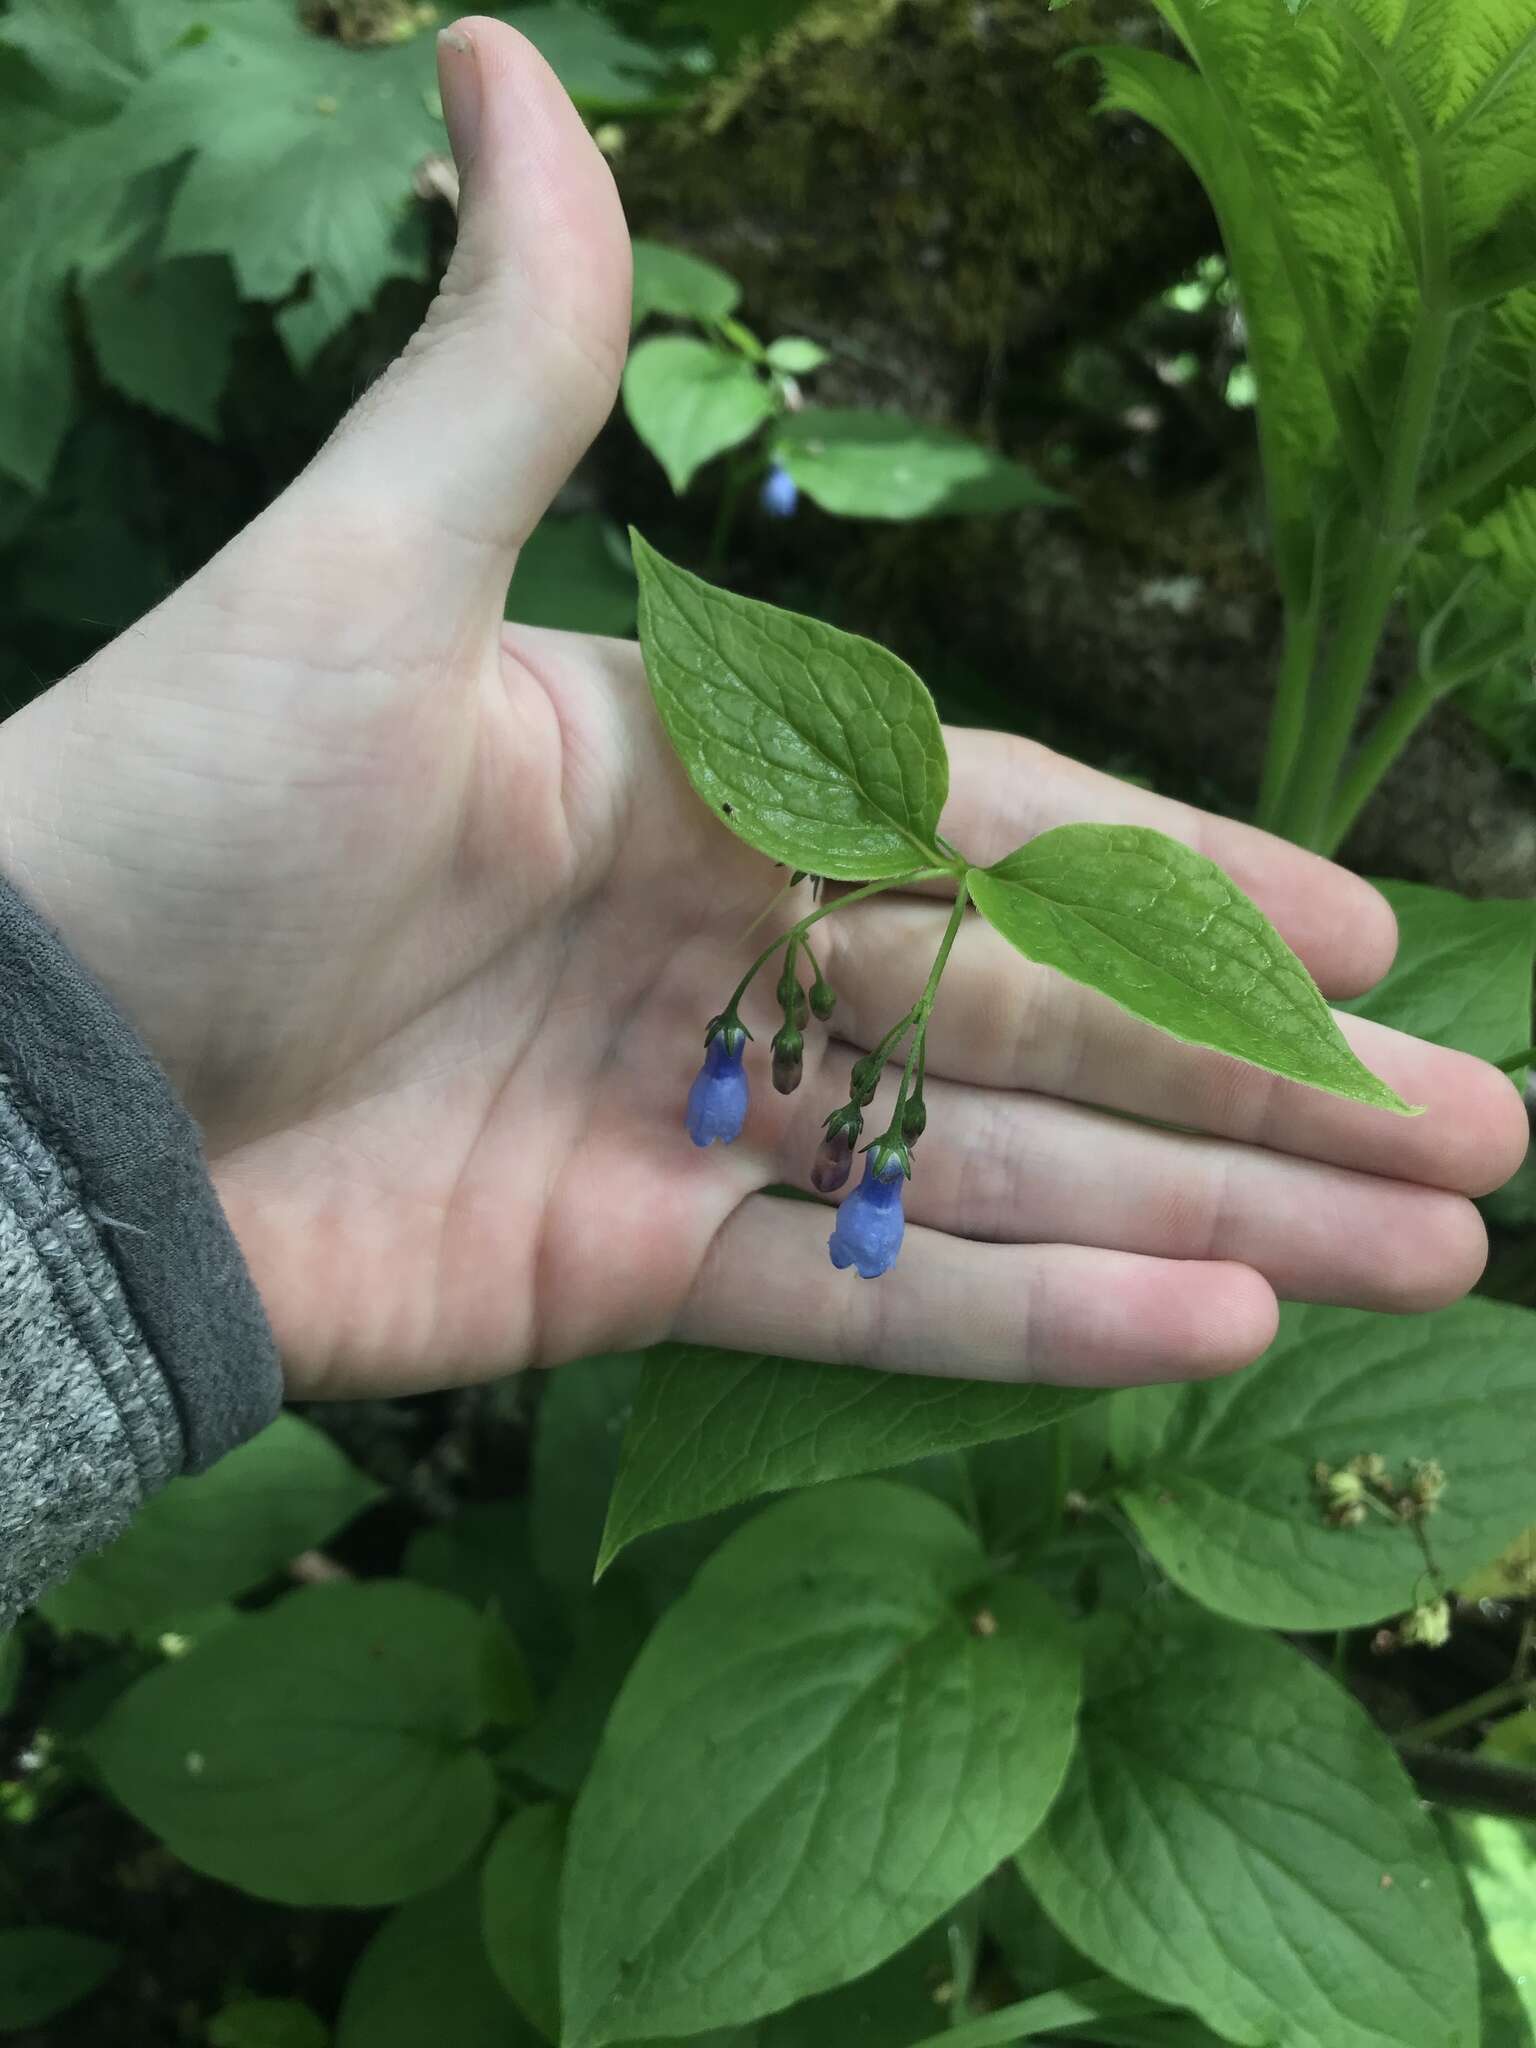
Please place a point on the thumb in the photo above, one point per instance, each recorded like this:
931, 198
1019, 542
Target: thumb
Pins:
468, 436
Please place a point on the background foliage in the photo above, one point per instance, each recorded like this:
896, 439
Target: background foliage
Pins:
900, 1705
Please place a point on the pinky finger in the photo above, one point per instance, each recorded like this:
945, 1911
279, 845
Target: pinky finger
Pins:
1060, 1313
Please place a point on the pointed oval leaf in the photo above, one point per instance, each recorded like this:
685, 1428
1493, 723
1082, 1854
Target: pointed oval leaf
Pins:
836, 1733
820, 749
1217, 1476
882, 465
205, 1539
689, 402
1462, 975
711, 1428
679, 285
1161, 930
318, 1753
1235, 1836
424, 1977
520, 1911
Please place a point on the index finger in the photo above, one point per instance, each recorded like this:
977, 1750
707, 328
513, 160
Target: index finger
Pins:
1004, 790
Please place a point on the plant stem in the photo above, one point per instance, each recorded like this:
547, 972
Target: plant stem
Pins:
1518, 1060
1078, 2006
797, 932
923, 1008
1478, 474
1288, 720
1381, 747
1512, 1693
1452, 1778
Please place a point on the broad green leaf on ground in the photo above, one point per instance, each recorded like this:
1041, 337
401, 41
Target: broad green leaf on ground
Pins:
46, 1970
520, 1911
575, 573
880, 465
711, 1428
318, 1753
795, 356
1162, 931
1498, 1860
603, 70
820, 749
832, 1737
610, 1626
1462, 976
1236, 1837
1217, 1476
424, 1977
267, 2023
690, 401
583, 1414
164, 332
679, 286
303, 152
203, 1540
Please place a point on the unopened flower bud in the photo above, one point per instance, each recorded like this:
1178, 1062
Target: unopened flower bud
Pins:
864, 1080
833, 1162
1428, 1626
823, 998
914, 1119
1426, 1482
788, 1059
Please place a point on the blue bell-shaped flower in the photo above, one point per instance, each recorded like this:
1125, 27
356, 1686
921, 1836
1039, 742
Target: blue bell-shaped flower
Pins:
870, 1224
717, 1101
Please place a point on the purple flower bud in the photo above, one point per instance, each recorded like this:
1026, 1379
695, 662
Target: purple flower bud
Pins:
780, 493
823, 999
914, 1119
717, 1101
870, 1224
833, 1162
788, 1059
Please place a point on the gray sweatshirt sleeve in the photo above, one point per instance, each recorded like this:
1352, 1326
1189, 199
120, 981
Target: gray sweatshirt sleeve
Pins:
132, 1343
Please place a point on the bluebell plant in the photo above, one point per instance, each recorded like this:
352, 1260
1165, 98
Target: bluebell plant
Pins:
780, 494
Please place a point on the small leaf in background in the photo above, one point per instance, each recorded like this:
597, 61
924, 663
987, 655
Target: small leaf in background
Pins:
879, 465
484, 1554
1162, 931
796, 356
164, 332
1498, 1860
520, 1911
679, 286
603, 70
267, 2023
1217, 1476
318, 1753
831, 1738
1511, 1575
575, 573
820, 749
690, 401
46, 1970
1236, 1837
1462, 976
203, 1540
424, 1977
610, 1626
12, 1660
711, 1428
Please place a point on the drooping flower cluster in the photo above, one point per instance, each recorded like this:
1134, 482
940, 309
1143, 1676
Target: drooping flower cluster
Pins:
870, 1225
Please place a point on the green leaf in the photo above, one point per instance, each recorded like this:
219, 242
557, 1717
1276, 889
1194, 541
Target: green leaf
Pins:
610, 1627
818, 748
833, 1736
712, 1428
1161, 930
882, 465
689, 402
1235, 1836
603, 70
520, 1912
318, 1753
1498, 1860
680, 286
12, 1661
267, 2023
484, 1554
425, 1977
574, 573
164, 333
303, 154
46, 1970
1217, 1476
795, 356
905, 2001
1462, 976
203, 1540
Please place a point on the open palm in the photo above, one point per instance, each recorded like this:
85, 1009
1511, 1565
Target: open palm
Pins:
422, 917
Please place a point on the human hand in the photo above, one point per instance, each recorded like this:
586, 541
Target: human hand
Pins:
421, 915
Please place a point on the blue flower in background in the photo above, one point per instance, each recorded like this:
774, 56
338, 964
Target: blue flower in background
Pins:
717, 1101
870, 1224
780, 493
